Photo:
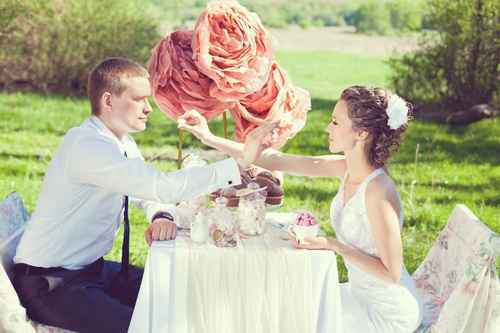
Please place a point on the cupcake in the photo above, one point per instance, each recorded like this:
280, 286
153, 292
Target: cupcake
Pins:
273, 187
229, 193
263, 178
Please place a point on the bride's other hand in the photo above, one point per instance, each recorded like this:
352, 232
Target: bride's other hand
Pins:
193, 122
315, 243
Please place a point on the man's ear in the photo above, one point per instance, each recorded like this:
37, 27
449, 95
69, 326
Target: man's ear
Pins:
106, 101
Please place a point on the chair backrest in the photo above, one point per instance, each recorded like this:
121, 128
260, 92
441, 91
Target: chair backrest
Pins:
13, 219
463, 249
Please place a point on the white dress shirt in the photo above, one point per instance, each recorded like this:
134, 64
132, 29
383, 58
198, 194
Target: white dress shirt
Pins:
80, 205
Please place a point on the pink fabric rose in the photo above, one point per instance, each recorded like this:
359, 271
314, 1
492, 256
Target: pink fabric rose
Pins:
277, 100
178, 86
231, 46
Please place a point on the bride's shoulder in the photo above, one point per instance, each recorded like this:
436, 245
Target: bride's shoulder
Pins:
382, 202
380, 188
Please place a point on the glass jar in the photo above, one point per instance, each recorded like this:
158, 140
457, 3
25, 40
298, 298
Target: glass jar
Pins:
223, 229
252, 211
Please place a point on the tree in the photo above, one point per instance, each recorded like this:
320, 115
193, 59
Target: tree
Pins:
458, 65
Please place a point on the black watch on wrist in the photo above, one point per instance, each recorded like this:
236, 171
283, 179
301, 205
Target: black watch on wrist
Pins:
163, 215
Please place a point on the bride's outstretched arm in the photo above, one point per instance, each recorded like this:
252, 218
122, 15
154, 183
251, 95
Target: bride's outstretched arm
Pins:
270, 159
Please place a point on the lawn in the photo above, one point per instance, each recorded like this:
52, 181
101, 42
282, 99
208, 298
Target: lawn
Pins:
436, 168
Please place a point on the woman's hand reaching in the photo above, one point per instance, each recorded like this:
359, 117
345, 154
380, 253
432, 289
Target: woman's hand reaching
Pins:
255, 143
193, 122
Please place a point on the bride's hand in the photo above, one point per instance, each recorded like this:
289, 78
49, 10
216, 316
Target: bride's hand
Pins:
315, 243
193, 122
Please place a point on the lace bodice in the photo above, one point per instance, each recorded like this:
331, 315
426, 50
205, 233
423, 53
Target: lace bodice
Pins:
350, 219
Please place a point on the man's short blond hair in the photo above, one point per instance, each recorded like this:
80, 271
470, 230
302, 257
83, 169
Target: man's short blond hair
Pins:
107, 77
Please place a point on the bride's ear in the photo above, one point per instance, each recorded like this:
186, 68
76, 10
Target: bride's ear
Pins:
362, 135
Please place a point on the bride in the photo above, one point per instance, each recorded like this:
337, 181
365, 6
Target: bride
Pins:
366, 214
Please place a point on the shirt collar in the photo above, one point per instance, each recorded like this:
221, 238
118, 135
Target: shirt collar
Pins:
105, 131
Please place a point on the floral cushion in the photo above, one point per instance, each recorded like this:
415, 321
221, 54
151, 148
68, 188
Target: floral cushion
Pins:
458, 279
13, 217
13, 319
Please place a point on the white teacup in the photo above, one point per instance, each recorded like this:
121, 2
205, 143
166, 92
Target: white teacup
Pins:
302, 231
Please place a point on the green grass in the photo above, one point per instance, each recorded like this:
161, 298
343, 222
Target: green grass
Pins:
451, 166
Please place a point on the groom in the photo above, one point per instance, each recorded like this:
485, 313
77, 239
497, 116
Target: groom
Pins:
60, 275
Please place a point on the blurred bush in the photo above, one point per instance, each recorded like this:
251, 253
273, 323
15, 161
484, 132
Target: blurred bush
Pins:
51, 45
369, 16
457, 65
406, 15
372, 17
386, 17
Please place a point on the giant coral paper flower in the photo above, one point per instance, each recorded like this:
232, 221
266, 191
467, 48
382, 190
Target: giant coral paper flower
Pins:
231, 46
178, 86
277, 100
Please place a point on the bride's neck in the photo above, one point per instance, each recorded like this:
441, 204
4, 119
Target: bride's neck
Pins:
358, 166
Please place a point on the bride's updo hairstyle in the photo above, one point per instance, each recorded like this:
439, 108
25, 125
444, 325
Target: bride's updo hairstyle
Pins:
383, 115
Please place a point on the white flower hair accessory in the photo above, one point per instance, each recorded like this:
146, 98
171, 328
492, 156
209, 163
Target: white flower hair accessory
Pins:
397, 112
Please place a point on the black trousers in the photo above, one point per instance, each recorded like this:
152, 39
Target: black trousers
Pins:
97, 299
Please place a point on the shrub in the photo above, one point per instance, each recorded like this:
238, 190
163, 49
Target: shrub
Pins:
51, 45
459, 65
405, 15
372, 17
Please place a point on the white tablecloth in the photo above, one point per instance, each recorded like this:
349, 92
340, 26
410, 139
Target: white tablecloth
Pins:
263, 286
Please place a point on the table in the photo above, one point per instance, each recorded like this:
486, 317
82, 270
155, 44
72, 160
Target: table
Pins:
265, 286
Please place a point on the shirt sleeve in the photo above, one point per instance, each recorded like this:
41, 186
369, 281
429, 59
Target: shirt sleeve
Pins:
99, 162
152, 207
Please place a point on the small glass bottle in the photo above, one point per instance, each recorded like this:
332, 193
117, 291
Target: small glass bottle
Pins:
199, 228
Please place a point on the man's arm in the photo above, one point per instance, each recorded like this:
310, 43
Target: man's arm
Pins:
98, 162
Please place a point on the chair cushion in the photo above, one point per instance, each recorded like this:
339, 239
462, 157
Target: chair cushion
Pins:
13, 217
464, 252
13, 319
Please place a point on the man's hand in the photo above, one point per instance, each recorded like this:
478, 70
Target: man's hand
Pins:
160, 229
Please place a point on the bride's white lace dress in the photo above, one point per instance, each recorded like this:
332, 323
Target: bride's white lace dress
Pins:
370, 304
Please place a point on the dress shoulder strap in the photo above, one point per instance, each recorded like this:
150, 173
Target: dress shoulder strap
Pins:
372, 175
